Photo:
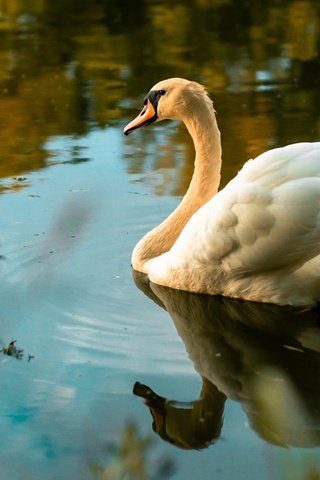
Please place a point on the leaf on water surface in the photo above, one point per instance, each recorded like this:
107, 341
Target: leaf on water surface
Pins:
13, 351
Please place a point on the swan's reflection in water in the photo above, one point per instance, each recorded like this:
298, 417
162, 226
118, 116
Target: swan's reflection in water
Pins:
264, 356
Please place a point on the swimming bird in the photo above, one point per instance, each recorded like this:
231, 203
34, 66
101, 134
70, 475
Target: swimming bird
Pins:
256, 239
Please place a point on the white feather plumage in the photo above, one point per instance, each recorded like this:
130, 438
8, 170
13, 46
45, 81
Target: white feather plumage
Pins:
258, 238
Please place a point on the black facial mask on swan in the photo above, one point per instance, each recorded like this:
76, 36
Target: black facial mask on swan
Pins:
148, 114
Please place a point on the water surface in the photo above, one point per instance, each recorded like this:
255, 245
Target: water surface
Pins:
76, 197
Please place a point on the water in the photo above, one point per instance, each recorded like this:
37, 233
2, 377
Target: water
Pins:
76, 197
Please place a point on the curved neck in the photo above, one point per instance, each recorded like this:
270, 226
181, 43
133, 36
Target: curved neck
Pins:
205, 134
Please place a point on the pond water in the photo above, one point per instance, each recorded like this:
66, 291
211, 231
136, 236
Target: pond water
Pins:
235, 385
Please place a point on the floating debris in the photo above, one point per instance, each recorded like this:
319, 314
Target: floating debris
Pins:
20, 179
12, 351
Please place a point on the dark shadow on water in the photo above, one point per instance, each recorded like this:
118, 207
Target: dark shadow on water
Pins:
263, 356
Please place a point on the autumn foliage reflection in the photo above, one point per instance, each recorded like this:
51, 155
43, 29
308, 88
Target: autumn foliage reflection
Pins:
71, 66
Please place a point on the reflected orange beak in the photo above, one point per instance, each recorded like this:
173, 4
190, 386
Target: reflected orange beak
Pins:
145, 117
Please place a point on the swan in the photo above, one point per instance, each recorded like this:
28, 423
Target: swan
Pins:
258, 238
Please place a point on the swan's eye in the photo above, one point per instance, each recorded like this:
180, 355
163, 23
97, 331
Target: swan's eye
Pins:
162, 92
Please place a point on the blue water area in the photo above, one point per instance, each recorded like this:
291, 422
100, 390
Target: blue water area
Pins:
69, 300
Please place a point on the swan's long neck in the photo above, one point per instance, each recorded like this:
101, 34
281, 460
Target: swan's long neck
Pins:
204, 131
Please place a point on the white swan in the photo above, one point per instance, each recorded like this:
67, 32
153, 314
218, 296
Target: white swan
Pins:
258, 238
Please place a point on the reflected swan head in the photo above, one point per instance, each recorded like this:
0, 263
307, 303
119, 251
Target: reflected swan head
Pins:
187, 425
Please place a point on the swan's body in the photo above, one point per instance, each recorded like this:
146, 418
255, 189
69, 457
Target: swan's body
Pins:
258, 238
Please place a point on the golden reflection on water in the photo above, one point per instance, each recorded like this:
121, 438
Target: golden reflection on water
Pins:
67, 68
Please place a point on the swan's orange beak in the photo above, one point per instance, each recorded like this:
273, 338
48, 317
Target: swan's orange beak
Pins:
145, 117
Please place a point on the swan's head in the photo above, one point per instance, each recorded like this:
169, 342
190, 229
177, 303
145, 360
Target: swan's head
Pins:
173, 99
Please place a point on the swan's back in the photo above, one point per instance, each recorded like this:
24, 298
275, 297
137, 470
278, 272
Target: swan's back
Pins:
276, 199
258, 235
279, 165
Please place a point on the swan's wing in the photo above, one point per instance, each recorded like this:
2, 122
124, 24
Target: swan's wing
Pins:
267, 218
